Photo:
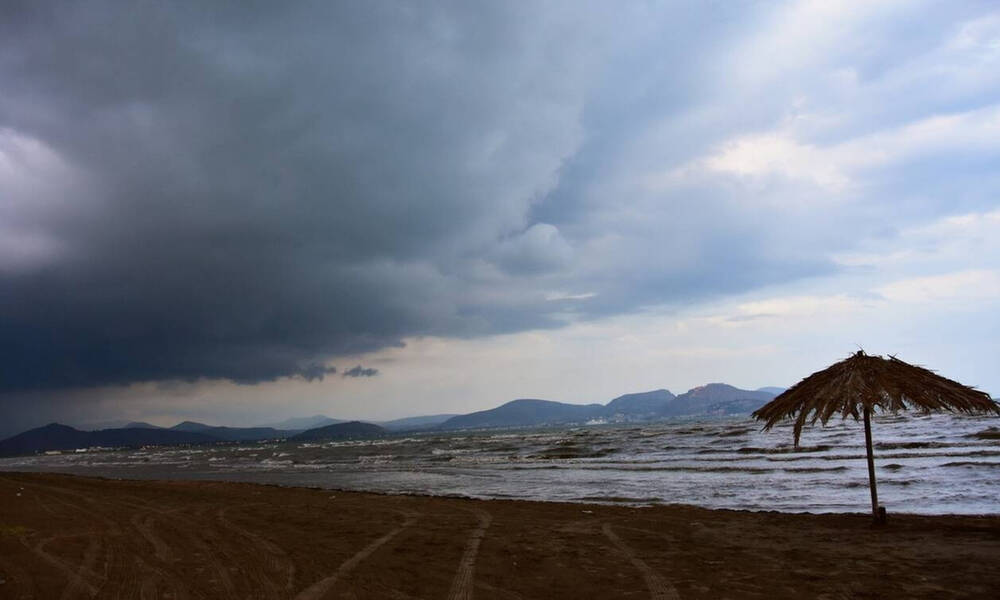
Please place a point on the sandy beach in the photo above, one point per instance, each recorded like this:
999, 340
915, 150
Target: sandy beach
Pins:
74, 537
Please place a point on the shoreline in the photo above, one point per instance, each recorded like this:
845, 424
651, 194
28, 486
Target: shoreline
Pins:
592, 501
932, 465
87, 537
863, 512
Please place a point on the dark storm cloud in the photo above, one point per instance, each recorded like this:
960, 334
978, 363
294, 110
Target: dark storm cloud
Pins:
316, 372
359, 371
193, 191
249, 191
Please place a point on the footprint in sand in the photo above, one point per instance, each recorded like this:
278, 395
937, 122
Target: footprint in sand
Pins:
659, 588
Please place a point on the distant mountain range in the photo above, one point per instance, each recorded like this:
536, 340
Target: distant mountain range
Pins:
711, 399
62, 437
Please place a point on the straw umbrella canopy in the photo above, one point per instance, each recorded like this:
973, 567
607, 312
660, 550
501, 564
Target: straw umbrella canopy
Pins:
860, 384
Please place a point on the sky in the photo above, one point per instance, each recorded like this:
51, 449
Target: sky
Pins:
240, 214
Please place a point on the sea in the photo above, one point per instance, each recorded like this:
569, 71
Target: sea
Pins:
925, 464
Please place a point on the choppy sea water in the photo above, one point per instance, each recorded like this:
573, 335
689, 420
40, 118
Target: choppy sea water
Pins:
924, 464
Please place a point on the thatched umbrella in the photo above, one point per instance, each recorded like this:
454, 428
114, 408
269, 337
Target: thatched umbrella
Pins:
860, 384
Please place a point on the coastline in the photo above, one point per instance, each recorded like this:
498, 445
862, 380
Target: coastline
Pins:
925, 465
605, 501
77, 536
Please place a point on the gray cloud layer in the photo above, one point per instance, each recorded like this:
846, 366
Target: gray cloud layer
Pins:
246, 193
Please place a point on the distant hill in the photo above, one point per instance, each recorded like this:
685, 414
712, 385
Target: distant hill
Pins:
526, 413
190, 426
140, 425
233, 434
641, 404
62, 437
303, 423
412, 423
340, 431
716, 398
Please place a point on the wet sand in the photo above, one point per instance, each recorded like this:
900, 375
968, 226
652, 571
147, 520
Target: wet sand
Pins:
75, 537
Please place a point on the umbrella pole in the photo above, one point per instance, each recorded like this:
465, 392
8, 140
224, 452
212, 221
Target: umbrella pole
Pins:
871, 463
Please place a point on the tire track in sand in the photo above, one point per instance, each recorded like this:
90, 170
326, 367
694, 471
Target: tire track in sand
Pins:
117, 566
77, 584
155, 580
461, 586
79, 578
198, 532
276, 560
659, 588
142, 578
133, 577
207, 547
321, 587
143, 523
